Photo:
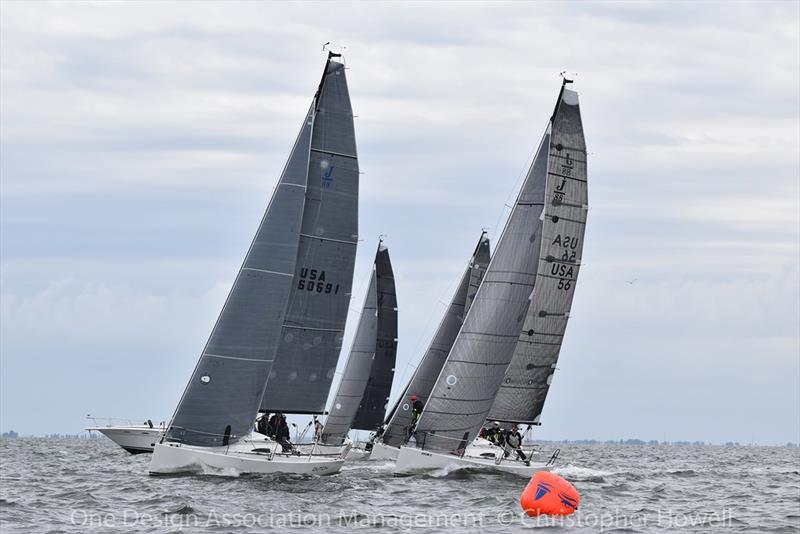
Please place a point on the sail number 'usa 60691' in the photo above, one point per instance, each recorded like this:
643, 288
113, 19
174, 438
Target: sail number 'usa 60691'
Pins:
313, 280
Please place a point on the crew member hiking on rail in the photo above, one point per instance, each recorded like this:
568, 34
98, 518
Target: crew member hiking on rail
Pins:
416, 411
513, 442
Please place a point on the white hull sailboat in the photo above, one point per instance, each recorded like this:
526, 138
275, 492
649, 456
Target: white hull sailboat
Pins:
412, 460
170, 458
503, 358
382, 451
277, 338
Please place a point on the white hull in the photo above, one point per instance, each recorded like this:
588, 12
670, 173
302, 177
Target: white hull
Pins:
412, 460
350, 451
381, 451
170, 458
135, 439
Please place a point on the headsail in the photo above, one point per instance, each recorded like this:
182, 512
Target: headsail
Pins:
376, 394
313, 327
527, 380
223, 395
466, 387
423, 379
369, 346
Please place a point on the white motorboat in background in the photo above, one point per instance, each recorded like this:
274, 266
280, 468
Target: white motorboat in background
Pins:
136, 438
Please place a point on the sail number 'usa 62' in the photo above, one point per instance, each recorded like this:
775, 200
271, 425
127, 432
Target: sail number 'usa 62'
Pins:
313, 280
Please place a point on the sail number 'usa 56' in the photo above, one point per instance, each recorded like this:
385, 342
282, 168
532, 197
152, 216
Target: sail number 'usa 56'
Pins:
564, 271
313, 280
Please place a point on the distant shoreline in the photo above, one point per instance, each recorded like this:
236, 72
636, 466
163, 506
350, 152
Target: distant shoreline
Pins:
591, 442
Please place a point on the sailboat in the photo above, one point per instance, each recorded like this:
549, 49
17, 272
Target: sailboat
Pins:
529, 274
363, 393
278, 335
400, 420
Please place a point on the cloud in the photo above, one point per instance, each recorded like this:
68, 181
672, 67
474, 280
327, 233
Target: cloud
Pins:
141, 142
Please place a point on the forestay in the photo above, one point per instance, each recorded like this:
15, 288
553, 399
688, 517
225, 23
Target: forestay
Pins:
424, 377
524, 389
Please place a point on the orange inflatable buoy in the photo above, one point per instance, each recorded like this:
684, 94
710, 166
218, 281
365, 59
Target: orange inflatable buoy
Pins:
550, 494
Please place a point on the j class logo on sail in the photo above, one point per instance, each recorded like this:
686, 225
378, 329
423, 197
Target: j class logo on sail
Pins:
566, 172
313, 281
327, 173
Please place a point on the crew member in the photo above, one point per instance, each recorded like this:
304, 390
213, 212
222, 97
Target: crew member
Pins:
513, 442
495, 434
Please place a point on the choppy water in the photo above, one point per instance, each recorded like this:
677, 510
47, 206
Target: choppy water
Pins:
51, 485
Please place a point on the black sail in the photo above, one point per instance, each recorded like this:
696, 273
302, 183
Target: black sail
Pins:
360, 399
372, 409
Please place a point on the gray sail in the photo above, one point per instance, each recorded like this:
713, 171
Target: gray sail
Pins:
471, 376
314, 324
222, 398
527, 380
356, 371
424, 377
372, 409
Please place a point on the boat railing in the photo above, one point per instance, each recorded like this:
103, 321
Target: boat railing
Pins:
100, 422
255, 446
498, 453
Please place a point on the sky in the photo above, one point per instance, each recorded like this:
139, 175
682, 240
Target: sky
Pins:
140, 142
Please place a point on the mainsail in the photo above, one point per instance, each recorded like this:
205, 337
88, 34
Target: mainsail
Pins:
365, 351
527, 380
314, 324
376, 394
423, 379
476, 366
